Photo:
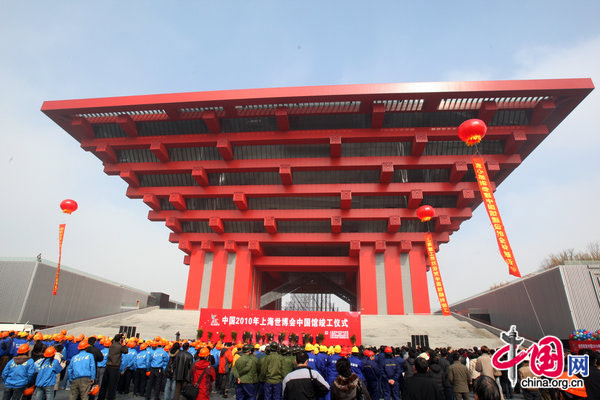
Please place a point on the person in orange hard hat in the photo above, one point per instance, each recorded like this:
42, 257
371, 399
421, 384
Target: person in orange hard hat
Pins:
6, 346
203, 374
47, 369
82, 372
18, 373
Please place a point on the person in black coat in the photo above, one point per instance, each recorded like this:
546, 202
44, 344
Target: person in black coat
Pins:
420, 386
182, 371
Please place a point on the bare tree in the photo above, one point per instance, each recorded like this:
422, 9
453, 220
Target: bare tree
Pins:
554, 259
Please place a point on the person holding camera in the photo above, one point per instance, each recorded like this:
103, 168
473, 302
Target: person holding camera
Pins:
110, 379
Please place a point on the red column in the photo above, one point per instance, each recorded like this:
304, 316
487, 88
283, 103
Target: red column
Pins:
368, 283
242, 284
393, 280
418, 277
194, 282
217, 281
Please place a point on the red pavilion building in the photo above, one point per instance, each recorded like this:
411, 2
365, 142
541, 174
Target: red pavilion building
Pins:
313, 189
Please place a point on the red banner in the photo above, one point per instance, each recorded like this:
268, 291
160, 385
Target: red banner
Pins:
435, 271
489, 201
61, 235
577, 345
337, 327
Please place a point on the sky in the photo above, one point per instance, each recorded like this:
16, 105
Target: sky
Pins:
72, 49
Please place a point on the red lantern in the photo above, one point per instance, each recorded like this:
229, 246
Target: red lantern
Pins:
472, 131
425, 213
68, 206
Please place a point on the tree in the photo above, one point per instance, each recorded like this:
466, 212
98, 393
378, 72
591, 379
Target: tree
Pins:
199, 334
592, 253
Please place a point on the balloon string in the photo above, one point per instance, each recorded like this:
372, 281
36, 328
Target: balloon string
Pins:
477, 149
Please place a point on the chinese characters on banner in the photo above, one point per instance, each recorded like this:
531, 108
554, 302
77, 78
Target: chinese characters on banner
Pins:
61, 235
337, 327
435, 271
489, 201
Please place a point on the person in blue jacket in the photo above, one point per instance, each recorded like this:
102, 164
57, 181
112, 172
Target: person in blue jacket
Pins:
47, 369
391, 374
322, 357
6, 346
17, 374
158, 362
356, 363
127, 368
372, 373
331, 370
141, 366
101, 366
81, 372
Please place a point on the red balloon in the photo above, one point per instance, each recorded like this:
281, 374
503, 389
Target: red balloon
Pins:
472, 131
68, 206
425, 213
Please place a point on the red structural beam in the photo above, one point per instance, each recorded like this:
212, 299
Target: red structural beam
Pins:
273, 261
365, 237
304, 215
306, 137
334, 189
366, 93
308, 164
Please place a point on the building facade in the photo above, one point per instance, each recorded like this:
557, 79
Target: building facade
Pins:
552, 302
264, 187
26, 294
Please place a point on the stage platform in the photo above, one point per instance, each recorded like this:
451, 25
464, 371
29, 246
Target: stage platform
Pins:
376, 329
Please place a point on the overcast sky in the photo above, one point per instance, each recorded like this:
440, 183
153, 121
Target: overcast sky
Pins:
73, 49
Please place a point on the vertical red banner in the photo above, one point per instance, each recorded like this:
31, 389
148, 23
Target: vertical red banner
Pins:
487, 195
435, 271
61, 235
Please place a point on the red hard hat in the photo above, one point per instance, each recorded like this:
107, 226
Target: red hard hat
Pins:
388, 349
368, 353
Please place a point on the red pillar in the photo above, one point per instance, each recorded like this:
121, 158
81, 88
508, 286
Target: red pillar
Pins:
217, 281
418, 277
242, 284
367, 277
393, 280
194, 282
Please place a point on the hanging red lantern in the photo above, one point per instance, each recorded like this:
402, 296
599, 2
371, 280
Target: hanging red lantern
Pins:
68, 206
425, 213
472, 131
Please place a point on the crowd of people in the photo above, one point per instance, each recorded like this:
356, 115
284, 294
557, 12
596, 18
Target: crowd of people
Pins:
100, 367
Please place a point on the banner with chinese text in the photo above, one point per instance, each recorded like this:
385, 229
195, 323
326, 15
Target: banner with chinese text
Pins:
337, 327
61, 235
437, 277
576, 345
489, 201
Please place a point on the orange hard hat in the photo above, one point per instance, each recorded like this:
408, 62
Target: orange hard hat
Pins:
50, 352
28, 391
131, 344
144, 346
83, 345
204, 352
38, 336
70, 337
147, 373
63, 332
59, 338
94, 390
168, 347
24, 348
79, 338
